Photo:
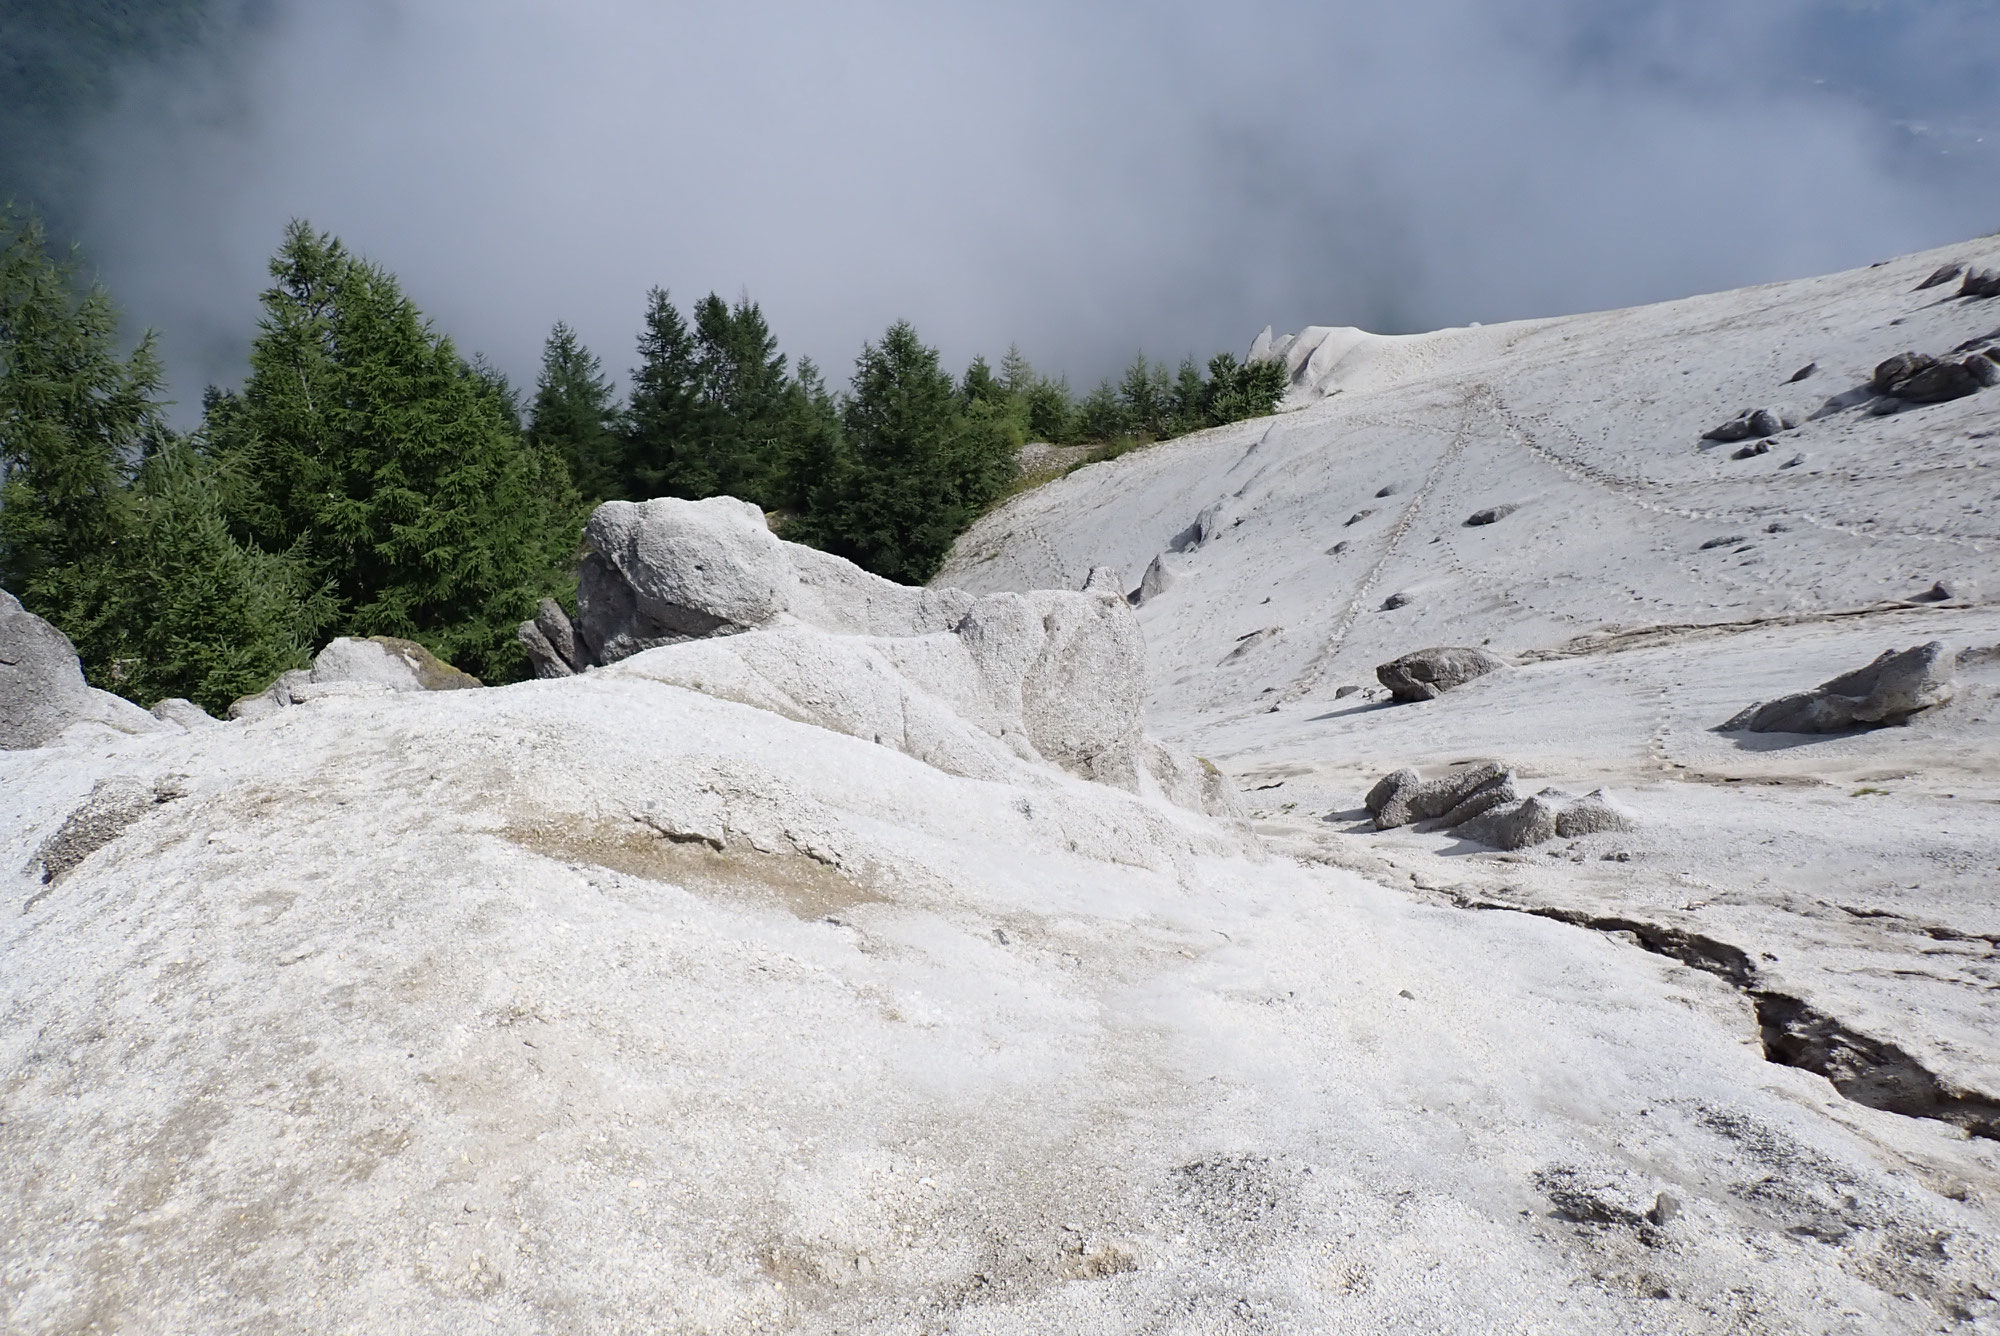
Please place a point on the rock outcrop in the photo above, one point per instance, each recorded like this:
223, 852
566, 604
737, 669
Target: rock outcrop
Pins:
701, 594
1549, 815
1157, 580
1752, 422
43, 693
1898, 684
350, 666
1919, 378
1461, 793
1428, 673
184, 714
1478, 801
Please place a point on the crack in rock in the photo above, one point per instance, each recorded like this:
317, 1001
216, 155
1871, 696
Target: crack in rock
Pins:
1867, 1070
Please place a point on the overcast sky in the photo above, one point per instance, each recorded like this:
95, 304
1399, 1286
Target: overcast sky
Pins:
1083, 179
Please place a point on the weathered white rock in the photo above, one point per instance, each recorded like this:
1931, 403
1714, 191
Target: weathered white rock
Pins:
43, 694
183, 713
702, 594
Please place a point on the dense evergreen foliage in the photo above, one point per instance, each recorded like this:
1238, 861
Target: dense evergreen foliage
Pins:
393, 466
920, 459
575, 415
111, 527
367, 479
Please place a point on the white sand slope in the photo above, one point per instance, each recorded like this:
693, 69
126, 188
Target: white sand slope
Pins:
606, 1005
1844, 886
603, 1006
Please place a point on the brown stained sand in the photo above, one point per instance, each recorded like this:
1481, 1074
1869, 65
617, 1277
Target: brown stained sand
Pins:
805, 886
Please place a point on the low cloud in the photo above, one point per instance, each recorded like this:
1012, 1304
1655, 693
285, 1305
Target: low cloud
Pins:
1081, 180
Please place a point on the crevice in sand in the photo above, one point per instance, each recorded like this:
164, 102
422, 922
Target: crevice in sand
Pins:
1869, 1071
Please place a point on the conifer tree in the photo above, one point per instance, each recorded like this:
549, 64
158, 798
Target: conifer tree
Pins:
1051, 412
574, 415
1017, 374
1188, 399
389, 463
814, 471
113, 528
1144, 396
742, 403
919, 468
1101, 415
1238, 390
981, 386
203, 615
73, 418
660, 415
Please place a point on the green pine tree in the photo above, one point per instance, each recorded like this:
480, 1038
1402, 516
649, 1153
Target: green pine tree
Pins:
816, 469
1187, 401
660, 415
390, 464
1017, 374
1051, 411
74, 416
1101, 415
920, 469
574, 415
742, 402
1238, 390
206, 616
1145, 398
981, 386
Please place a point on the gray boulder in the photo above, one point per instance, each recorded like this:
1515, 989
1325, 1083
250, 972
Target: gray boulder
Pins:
701, 594
1940, 383
663, 571
1428, 673
1157, 580
1592, 814
1898, 684
184, 714
1940, 276
1980, 283
1892, 371
1752, 422
1490, 515
542, 655
1406, 797
1548, 815
668, 571
1919, 378
42, 689
353, 666
390, 661
551, 640
272, 698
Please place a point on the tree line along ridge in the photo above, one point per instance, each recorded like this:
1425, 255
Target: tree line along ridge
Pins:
368, 479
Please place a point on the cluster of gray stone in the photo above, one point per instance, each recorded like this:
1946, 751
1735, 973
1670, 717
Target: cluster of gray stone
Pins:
1481, 801
1919, 378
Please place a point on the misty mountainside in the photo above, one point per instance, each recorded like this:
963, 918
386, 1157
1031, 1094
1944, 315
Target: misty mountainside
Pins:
1100, 938
64, 63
